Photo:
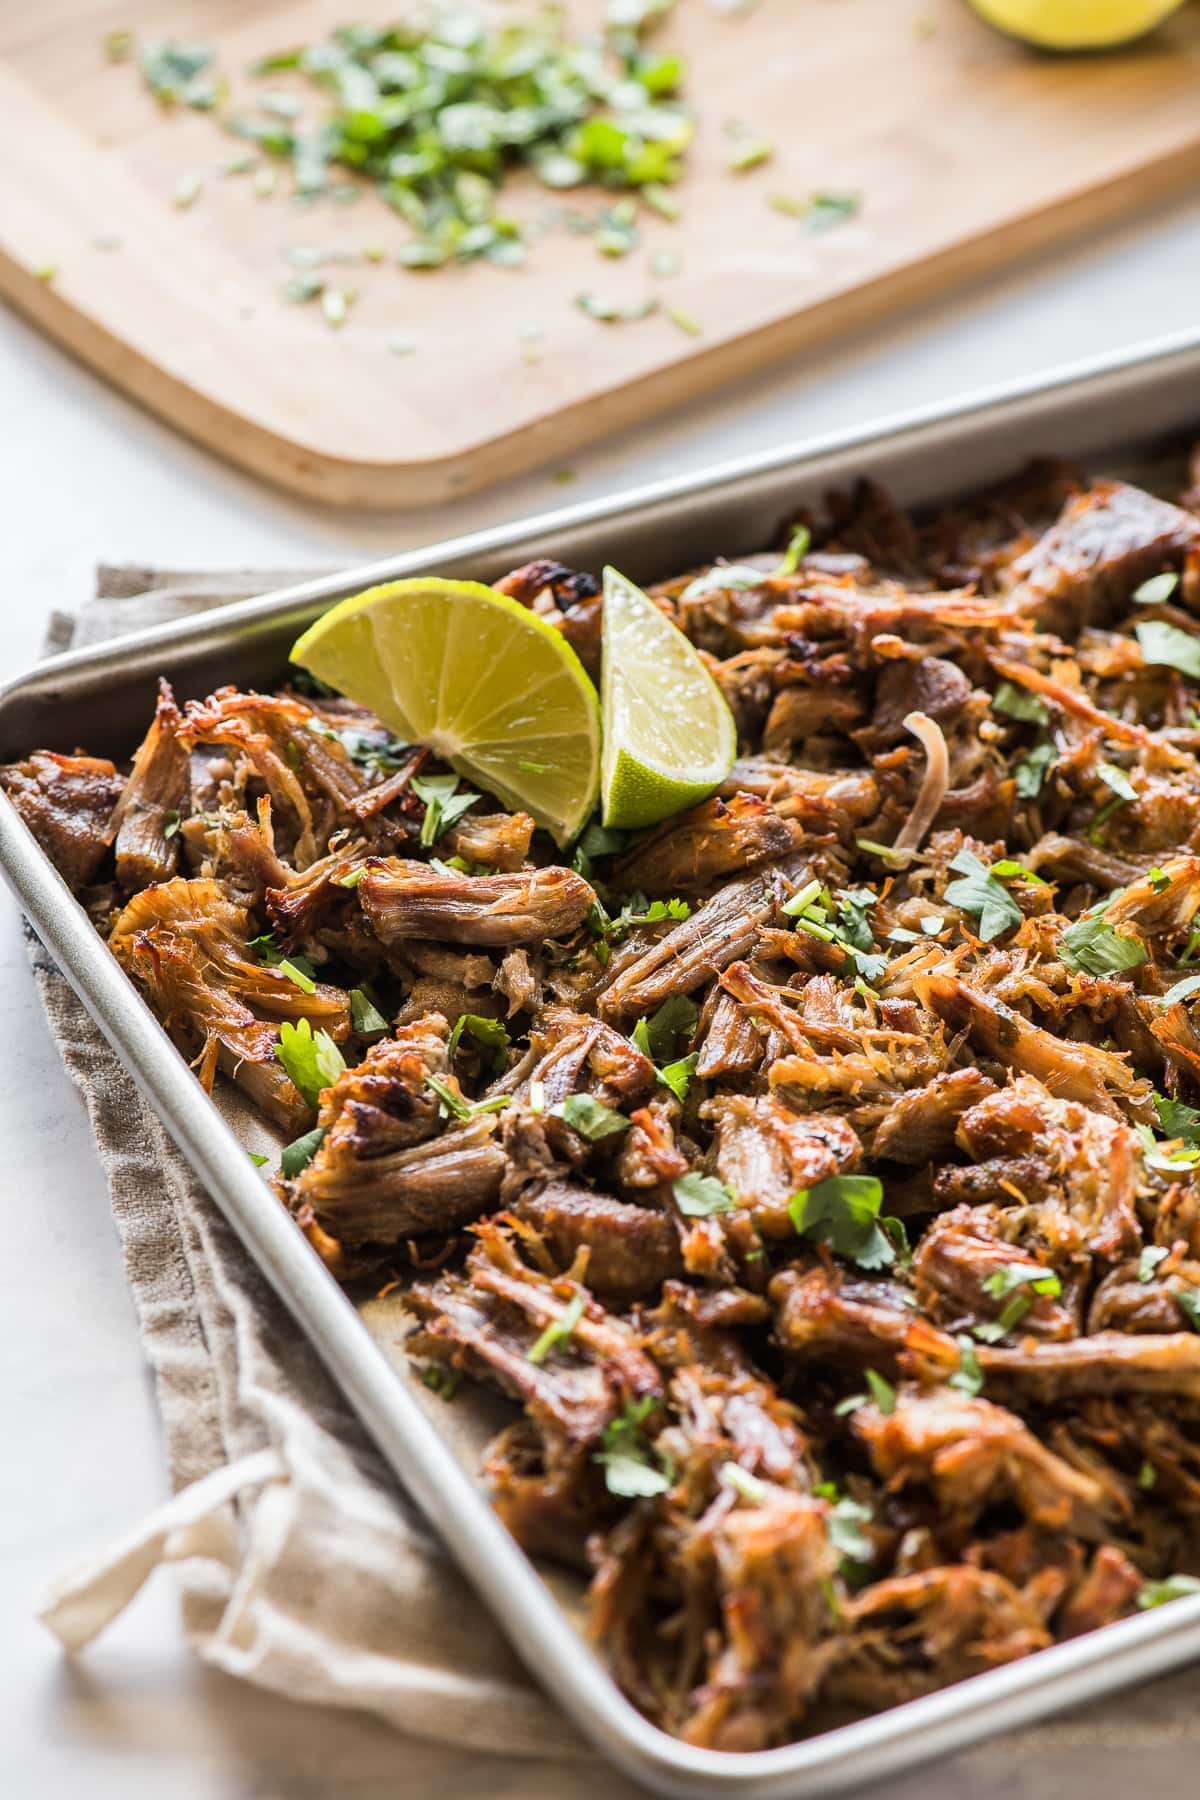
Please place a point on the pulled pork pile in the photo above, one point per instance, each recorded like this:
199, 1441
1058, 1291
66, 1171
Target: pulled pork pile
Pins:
817, 1170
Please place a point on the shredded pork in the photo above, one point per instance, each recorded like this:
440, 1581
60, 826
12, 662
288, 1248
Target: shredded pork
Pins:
815, 1174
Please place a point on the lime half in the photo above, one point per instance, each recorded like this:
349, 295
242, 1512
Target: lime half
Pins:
1075, 24
669, 737
484, 682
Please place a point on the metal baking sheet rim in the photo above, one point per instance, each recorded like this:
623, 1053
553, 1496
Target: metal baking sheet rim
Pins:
1018, 1693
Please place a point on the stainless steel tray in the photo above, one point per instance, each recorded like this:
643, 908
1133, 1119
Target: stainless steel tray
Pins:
1114, 414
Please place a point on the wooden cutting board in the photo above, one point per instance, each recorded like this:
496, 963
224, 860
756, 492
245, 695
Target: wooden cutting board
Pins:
968, 151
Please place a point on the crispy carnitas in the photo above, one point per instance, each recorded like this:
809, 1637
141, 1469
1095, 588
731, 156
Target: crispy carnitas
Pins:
817, 1172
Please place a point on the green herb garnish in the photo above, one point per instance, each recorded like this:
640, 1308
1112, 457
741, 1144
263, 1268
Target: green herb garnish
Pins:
558, 1330
299, 1153
491, 1033
1158, 589
980, 893
1175, 1587
702, 1196
968, 1377
1012, 1276
311, 1059
633, 1470
443, 804
1166, 646
843, 1212
590, 1118
1018, 703
1095, 948
365, 1016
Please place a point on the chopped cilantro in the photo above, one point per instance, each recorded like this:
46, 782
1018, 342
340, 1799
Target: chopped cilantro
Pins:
1149, 1260
1018, 703
1177, 1119
365, 1016
558, 1330
665, 1032
980, 893
443, 804
454, 1106
1147, 1476
311, 1059
1095, 948
1187, 1299
723, 578
491, 1033
1166, 646
441, 1381
1031, 771
171, 822
741, 1482
968, 1377
590, 1118
633, 1470
678, 1075
997, 1329
702, 1196
1012, 1276
299, 1153
1158, 589
843, 1212
845, 1527
1175, 1587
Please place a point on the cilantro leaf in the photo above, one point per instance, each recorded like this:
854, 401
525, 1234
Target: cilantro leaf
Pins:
1187, 1299
557, 1331
1166, 646
702, 1196
678, 1075
633, 1470
365, 1016
968, 1377
590, 1118
311, 1059
1174, 1587
299, 1153
1031, 771
1158, 589
443, 804
980, 894
1149, 1260
1178, 1120
1091, 945
1018, 703
845, 1528
491, 1033
843, 1212
995, 1330
664, 1034
1007, 1280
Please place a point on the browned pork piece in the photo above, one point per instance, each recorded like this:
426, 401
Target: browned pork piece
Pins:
66, 801
1106, 541
630, 1250
914, 1633
407, 899
970, 1453
765, 1153
146, 820
390, 1166
189, 948
698, 848
717, 933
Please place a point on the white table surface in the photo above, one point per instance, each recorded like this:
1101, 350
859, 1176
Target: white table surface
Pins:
86, 477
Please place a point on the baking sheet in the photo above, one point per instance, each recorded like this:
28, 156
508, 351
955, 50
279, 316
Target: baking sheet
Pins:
1124, 414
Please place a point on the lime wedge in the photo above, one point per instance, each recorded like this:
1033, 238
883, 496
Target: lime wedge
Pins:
493, 689
669, 737
1075, 24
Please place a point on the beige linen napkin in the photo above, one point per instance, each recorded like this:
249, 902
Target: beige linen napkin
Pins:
303, 1567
